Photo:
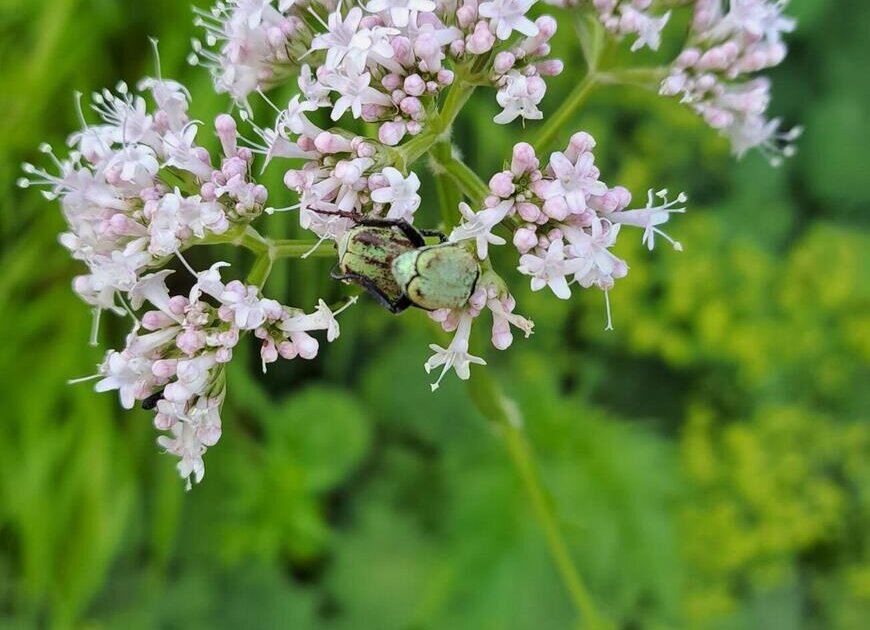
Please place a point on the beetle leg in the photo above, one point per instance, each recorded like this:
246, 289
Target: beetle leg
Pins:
394, 307
442, 237
411, 233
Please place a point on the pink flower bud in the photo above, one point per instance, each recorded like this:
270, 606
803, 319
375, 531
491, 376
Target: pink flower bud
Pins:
391, 133
501, 333
465, 16
330, 143
411, 106
391, 81
190, 341
156, 320
287, 350
268, 351
503, 62
226, 129
445, 77
523, 159
581, 142
556, 208
177, 304
414, 85
546, 27
223, 355
502, 185
528, 211
481, 40
525, 239
550, 67
306, 345
164, 368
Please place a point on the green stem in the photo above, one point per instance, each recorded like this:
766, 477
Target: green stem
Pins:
556, 121
290, 248
449, 195
507, 418
260, 271
462, 175
439, 125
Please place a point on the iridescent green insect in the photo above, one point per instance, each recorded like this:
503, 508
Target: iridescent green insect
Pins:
391, 260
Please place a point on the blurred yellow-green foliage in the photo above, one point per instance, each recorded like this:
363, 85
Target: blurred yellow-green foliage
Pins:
708, 459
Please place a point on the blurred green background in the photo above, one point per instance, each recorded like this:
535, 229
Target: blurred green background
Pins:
708, 460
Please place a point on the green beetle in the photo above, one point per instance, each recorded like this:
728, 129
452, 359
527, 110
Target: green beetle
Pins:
390, 259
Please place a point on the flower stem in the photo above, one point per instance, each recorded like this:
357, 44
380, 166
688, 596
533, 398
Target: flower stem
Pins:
507, 418
289, 248
260, 271
468, 181
439, 125
556, 121
449, 194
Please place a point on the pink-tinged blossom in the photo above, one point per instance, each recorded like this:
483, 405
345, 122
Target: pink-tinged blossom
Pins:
479, 226
456, 356
507, 16
575, 181
400, 193
519, 97
400, 11
550, 268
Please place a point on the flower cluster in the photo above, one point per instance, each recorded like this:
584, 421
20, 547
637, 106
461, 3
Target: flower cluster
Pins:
120, 187
384, 61
564, 219
728, 41
490, 293
137, 189
340, 177
627, 17
175, 356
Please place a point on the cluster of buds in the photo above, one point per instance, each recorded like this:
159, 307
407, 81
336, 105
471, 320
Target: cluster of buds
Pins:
710, 75
120, 188
384, 61
342, 174
174, 358
564, 219
136, 191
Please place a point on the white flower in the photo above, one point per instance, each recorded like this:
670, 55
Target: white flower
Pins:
519, 97
179, 150
153, 289
400, 10
456, 356
597, 264
126, 373
337, 39
250, 311
507, 16
194, 377
479, 226
323, 318
650, 217
575, 181
185, 444
135, 165
401, 194
354, 91
550, 269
